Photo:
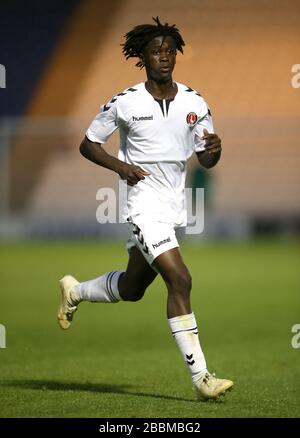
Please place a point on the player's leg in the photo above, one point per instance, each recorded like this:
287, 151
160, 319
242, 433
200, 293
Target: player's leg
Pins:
179, 312
183, 324
119, 285
137, 277
109, 288
178, 281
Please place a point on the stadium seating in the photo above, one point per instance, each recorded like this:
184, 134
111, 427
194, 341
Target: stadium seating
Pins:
238, 56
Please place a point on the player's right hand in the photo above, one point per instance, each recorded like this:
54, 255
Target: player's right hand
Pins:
132, 173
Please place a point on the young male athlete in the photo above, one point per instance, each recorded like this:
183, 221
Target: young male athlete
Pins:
161, 123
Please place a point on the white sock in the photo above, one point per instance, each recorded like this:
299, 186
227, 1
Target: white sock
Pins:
103, 289
185, 331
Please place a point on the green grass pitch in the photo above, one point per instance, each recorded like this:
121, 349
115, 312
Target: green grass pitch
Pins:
119, 360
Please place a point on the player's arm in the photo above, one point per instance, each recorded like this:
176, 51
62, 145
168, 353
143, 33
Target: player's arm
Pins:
94, 152
212, 153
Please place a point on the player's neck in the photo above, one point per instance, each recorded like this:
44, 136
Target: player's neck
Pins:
166, 90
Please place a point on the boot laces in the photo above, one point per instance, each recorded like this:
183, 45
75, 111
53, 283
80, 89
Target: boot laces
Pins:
71, 311
207, 379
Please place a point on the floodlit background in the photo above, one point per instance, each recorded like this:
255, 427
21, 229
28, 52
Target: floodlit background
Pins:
63, 60
59, 61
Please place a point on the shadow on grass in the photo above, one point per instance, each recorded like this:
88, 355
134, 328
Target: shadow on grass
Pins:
50, 385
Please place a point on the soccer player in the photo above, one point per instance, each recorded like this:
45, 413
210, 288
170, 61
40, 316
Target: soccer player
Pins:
161, 123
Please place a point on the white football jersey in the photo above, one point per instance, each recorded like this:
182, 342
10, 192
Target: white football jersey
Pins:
159, 135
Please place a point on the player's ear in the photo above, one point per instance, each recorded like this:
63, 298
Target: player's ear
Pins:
142, 59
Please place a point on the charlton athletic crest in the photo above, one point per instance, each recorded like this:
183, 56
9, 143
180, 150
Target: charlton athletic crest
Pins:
191, 119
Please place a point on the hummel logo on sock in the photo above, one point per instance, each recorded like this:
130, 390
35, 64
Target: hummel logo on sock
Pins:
190, 360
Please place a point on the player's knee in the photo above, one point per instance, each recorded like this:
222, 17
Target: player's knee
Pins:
137, 296
134, 294
180, 282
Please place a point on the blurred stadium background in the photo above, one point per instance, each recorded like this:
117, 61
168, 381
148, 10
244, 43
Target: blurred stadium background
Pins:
62, 60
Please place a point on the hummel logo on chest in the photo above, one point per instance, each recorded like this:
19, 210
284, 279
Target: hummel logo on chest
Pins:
139, 119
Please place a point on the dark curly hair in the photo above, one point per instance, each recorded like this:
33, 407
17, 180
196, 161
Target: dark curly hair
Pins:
140, 36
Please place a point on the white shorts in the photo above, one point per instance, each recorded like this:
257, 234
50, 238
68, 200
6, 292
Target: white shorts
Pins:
151, 238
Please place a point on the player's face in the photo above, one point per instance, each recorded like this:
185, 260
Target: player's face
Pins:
160, 58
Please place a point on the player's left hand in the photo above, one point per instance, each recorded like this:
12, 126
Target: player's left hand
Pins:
212, 142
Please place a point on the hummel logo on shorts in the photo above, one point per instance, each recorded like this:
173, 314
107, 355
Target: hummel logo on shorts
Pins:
162, 242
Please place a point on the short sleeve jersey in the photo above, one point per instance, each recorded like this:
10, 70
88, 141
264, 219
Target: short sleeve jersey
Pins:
160, 136
153, 130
